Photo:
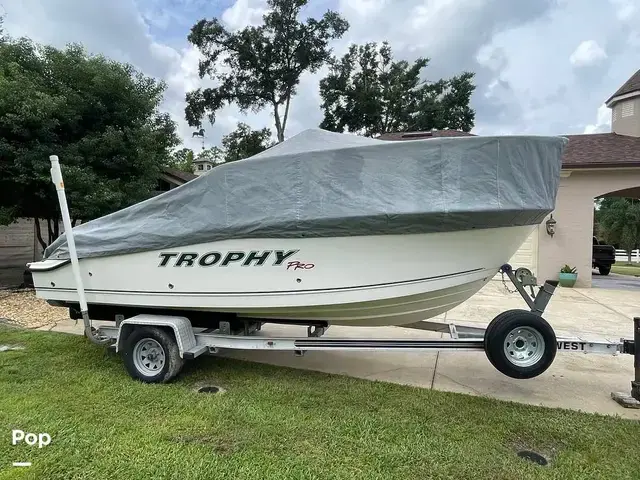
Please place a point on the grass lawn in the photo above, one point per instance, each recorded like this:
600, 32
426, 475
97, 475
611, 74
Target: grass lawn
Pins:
626, 269
277, 423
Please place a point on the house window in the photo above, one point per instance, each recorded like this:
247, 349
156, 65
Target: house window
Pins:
208, 167
200, 167
627, 108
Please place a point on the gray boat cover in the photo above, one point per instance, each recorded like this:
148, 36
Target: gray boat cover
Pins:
324, 184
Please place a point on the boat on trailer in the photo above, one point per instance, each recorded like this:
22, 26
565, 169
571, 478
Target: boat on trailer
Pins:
373, 280
323, 229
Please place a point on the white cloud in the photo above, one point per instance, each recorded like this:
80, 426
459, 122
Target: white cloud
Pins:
364, 7
493, 58
625, 9
603, 121
183, 75
587, 54
244, 13
518, 50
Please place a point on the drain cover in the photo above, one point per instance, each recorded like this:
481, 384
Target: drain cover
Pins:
533, 457
210, 389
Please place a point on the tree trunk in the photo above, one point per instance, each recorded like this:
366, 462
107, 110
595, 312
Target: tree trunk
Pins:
53, 226
50, 231
629, 255
279, 129
39, 234
286, 114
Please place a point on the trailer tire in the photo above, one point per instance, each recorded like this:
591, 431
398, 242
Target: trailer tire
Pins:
520, 344
151, 355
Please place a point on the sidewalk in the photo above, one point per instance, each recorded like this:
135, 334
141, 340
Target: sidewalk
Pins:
574, 381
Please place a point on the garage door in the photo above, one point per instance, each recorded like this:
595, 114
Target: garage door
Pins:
527, 254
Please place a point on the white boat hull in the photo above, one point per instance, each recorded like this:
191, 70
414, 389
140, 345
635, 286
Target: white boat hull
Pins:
363, 280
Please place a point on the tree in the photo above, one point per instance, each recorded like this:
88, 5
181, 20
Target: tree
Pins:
213, 154
369, 93
619, 222
99, 116
182, 159
244, 142
261, 65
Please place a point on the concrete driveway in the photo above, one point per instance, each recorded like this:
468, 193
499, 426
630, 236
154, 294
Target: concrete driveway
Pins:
615, 281
575, 381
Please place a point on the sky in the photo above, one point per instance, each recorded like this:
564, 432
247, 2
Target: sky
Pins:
543, 67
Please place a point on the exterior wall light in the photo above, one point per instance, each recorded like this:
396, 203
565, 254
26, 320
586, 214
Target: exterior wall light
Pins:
551, 226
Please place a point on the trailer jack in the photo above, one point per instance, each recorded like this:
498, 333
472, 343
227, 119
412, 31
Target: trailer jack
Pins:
631, 399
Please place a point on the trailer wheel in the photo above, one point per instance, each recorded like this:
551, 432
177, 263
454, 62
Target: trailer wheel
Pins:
520, 344
151, 354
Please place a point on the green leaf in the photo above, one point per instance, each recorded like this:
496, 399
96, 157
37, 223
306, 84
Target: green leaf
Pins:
618, 222
368, 93
99, 116
260, 66
244, 142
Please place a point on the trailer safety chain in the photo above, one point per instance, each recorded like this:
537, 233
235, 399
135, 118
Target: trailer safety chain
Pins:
521, 277
506, 287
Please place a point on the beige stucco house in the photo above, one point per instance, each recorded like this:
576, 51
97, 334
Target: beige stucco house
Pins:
594, 165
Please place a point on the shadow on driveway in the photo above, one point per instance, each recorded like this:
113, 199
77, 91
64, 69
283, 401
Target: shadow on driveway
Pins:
615, 281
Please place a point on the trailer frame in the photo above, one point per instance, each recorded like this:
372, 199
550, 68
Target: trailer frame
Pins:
192, 342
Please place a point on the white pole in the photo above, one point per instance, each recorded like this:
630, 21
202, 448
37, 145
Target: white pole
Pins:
56, 177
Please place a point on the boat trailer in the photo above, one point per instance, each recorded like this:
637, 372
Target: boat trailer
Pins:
519, 343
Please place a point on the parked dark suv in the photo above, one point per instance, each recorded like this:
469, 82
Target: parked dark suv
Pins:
602, 256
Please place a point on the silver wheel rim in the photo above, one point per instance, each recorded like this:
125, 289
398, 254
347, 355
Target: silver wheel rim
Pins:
148, 357
524, 346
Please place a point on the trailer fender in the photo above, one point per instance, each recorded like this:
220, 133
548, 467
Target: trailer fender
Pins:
181, 327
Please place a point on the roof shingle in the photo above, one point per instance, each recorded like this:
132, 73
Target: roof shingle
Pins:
174, 172
598, 150
630, 86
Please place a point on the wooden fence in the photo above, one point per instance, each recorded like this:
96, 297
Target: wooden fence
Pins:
18, 246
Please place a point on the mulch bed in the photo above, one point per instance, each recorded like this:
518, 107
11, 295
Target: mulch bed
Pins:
21, 307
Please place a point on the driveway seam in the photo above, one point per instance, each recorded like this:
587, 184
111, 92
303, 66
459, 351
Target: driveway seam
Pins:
602, 304
435, 365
